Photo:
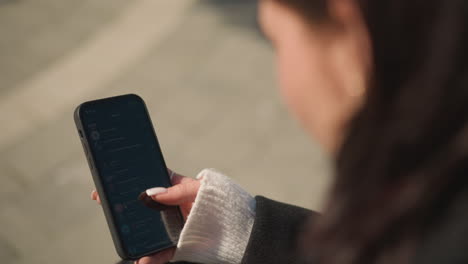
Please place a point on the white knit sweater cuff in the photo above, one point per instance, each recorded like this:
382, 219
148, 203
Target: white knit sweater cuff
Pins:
219, 224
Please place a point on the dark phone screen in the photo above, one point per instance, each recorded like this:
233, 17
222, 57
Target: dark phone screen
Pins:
128, 160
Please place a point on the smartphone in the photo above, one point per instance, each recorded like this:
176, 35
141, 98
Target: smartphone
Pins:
125, 159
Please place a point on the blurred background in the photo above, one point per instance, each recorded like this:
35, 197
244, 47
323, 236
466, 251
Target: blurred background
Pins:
207, 75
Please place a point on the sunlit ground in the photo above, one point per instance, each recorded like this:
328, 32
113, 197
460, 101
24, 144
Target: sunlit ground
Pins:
207, 76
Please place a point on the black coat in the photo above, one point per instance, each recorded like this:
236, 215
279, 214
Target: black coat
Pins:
275, 232
278, 225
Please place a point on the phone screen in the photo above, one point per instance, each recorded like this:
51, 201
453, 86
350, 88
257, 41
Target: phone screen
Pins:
128, 160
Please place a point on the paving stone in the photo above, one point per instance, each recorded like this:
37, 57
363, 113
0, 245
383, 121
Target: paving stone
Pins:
11, 183
90, 243
39, 32
45, 147
8, 253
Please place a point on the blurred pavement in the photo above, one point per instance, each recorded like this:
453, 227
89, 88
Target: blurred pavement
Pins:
207, 76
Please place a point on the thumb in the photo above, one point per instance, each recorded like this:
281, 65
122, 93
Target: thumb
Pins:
184, 192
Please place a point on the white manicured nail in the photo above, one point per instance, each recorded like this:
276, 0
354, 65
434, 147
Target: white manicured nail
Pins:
156, 191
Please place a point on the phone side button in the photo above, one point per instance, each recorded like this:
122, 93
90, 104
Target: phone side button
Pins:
85, 149
90, 162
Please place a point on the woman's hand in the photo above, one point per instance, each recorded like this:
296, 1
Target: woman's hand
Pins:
182, 194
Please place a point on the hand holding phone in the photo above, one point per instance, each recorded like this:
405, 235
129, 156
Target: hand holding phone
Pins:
182, 193
125, 160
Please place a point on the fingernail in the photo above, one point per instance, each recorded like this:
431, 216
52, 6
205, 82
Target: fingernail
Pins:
156, 191
92, 195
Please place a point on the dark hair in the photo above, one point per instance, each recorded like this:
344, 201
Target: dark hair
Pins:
405, 156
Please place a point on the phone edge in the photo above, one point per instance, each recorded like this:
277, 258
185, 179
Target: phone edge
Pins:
118, 245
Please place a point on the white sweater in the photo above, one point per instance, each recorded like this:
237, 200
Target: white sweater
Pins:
219, 224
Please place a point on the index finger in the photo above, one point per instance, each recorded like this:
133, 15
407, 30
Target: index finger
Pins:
177, 178
178, 194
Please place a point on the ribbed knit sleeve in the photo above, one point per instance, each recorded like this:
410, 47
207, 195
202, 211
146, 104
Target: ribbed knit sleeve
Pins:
218, 227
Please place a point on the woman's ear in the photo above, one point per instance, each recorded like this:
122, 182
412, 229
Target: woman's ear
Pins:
343, 11
352, 51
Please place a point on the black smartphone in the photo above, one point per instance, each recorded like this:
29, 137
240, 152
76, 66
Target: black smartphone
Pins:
125, 160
